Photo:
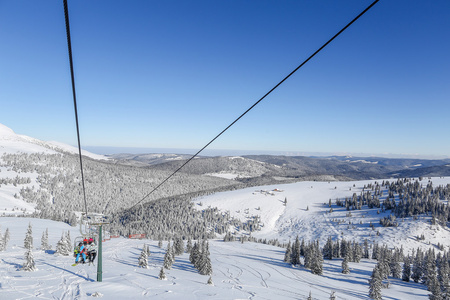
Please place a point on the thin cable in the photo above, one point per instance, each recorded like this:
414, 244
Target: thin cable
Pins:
257, 102
69, 45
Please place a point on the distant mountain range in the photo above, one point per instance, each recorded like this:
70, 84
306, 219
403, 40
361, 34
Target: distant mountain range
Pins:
250, 169
293, 167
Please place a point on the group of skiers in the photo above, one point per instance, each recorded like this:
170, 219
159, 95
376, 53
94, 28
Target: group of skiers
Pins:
87, 250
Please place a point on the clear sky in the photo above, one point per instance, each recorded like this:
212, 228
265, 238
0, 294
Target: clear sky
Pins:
173, 74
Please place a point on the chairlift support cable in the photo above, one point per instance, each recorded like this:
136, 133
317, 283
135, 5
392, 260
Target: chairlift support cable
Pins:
100, 219
69, 46
257, 102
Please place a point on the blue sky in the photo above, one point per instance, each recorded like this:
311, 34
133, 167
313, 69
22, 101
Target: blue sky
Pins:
173, 74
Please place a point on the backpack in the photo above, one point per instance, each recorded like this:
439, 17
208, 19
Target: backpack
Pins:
76, 250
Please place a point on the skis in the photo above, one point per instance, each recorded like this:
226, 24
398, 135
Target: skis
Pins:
89, 263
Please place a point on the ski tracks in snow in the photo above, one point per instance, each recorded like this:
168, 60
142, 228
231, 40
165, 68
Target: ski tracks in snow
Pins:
70, 284
235, 272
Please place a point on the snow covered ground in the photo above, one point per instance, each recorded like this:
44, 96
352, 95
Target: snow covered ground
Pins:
240, 271
307, 214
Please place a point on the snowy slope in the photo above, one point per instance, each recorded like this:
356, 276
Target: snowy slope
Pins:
240, 271
286, 222
10, 142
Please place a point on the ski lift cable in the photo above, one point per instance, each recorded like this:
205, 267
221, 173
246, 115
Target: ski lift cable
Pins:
69, 45
257, 102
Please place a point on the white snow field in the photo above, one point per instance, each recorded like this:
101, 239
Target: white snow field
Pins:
240, 271
307, 214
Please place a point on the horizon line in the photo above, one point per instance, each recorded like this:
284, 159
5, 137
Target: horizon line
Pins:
109, 150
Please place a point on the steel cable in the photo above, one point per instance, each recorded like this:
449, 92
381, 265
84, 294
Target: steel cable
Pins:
257, 102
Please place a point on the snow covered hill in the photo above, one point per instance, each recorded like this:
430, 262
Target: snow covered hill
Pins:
10, 142
307, 214
14, 180
240, 271
44, 177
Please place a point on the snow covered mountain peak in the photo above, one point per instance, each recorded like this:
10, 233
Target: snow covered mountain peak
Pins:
6, 132
10, 142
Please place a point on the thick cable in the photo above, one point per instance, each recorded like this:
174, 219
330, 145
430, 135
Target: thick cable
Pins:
69, 45
262, 98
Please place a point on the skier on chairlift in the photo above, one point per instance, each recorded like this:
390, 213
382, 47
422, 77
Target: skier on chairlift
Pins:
91, 250
81, 252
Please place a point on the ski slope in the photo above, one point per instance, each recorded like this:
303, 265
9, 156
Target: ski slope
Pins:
240, 271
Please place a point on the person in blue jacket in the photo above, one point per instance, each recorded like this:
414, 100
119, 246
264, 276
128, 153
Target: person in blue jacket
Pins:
82, 252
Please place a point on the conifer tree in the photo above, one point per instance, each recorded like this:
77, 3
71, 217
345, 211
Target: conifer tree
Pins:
162, 274
430, 267
210, 282
143, 259
295, 253
307, 258
178, 246
344, 249
287, 254
417, 271
433, 286
345, 268
366, 249
443, 278
68, 241
383, 262
357, 252
2, 241
61, 246
350, 250
148, 251
309, 297
375, 284
28, 242
204, 265
195, 254
172, 254
375, 251
316, 259
406, 271
337, 249
189, 246
29, 264
328, 249
302, 249
44, 240
168, 257
396, 268
6, 238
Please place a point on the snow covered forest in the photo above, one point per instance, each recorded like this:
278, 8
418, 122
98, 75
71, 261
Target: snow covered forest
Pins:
110, 187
